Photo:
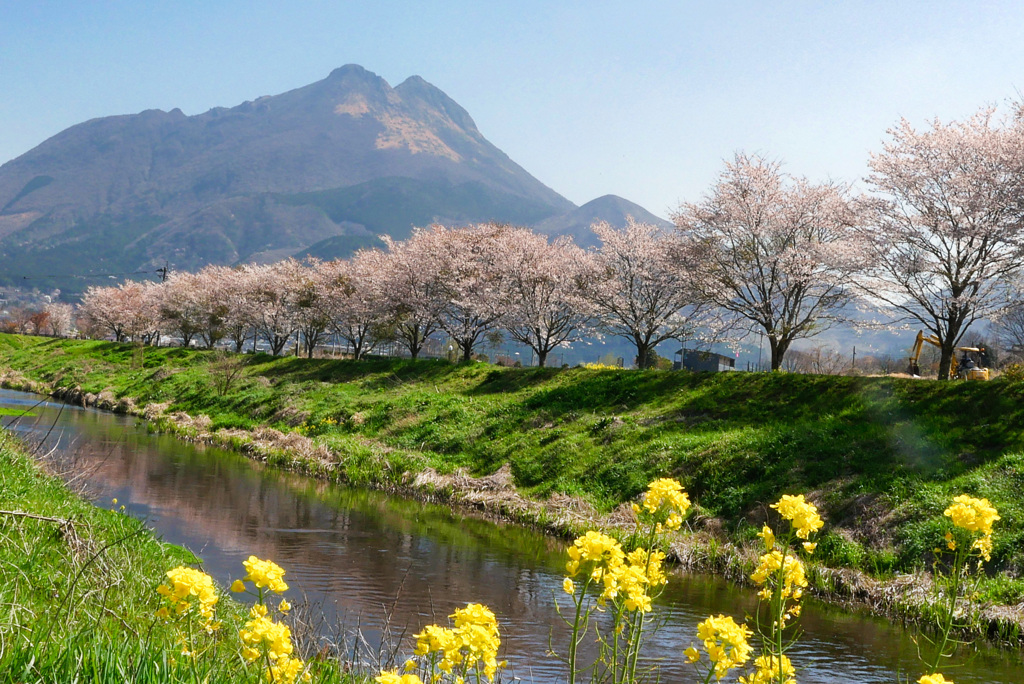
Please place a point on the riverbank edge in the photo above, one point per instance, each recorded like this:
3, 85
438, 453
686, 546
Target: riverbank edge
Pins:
907, 598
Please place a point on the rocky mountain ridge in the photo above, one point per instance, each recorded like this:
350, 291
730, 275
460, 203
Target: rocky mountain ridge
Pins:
323, 169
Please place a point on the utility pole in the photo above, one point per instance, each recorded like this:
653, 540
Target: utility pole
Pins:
163, 272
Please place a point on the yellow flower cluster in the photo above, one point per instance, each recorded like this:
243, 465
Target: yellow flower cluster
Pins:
183, 585
395, 678
262, 636
725, 642
262, 633
803, 514
641, 572
601, 366
975, 516
632, 576
794, 580
766, 671
594, 547
264, 574
286, 670
666, 496
934, 679
472, 644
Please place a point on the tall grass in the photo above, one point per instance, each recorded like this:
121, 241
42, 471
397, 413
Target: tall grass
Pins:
77, 591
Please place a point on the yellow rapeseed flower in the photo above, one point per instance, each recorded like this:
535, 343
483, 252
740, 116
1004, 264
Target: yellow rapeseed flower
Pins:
395, 678
261, 635
936, 678
264, 573
185, 585
472, 643
725, 642
597, 548
285, 670
973, 515
794, 579
568, 586
666, 496
767, 671
803, 514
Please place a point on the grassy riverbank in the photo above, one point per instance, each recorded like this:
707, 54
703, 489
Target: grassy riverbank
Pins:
78, 591
881, 457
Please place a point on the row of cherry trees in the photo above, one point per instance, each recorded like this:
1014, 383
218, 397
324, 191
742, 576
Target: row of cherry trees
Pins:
460, 282
938, 241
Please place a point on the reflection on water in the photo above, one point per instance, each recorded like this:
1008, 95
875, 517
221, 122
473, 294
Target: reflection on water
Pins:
363, 554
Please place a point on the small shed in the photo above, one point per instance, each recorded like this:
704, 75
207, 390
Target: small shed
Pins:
704, 361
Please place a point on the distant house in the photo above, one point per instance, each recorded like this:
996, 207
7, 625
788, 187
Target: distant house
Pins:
704, 361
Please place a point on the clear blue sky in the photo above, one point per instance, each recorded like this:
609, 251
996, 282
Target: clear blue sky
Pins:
641, 99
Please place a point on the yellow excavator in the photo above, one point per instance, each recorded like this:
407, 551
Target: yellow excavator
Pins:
970, 366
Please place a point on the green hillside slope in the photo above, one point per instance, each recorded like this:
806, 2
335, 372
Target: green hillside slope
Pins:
881, 457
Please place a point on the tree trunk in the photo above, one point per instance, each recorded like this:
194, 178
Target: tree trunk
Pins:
946, 359
643, 350
277, 344
542, 358
779, 349
467, 351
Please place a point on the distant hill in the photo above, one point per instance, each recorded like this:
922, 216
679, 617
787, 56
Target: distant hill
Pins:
610, 208
322, 169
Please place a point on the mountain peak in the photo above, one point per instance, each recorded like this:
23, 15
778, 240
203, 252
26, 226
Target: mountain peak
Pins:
350, 71
610, 208
345, 157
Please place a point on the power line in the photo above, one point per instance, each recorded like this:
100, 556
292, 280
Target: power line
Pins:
158, 271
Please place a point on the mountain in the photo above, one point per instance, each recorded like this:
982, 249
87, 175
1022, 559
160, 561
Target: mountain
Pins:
610, 208
322, 169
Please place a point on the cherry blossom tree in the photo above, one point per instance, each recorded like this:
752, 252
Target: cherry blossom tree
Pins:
637, 288
948, 223
182, 306
307, 292
468, 277
772, 251
213, 291
60, 319
236, 291
408, 279
541, 298
271, 296
357, 307
128, 311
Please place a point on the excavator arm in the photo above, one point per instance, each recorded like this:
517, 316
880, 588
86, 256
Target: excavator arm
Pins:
972, 373
915, 353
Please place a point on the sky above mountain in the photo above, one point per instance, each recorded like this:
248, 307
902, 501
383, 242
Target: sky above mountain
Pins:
643, 100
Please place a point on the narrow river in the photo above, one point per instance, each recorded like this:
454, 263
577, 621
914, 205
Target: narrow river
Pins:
361, 555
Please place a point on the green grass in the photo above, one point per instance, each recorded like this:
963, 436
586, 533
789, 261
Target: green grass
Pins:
21, 413
882, 457
77, 592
